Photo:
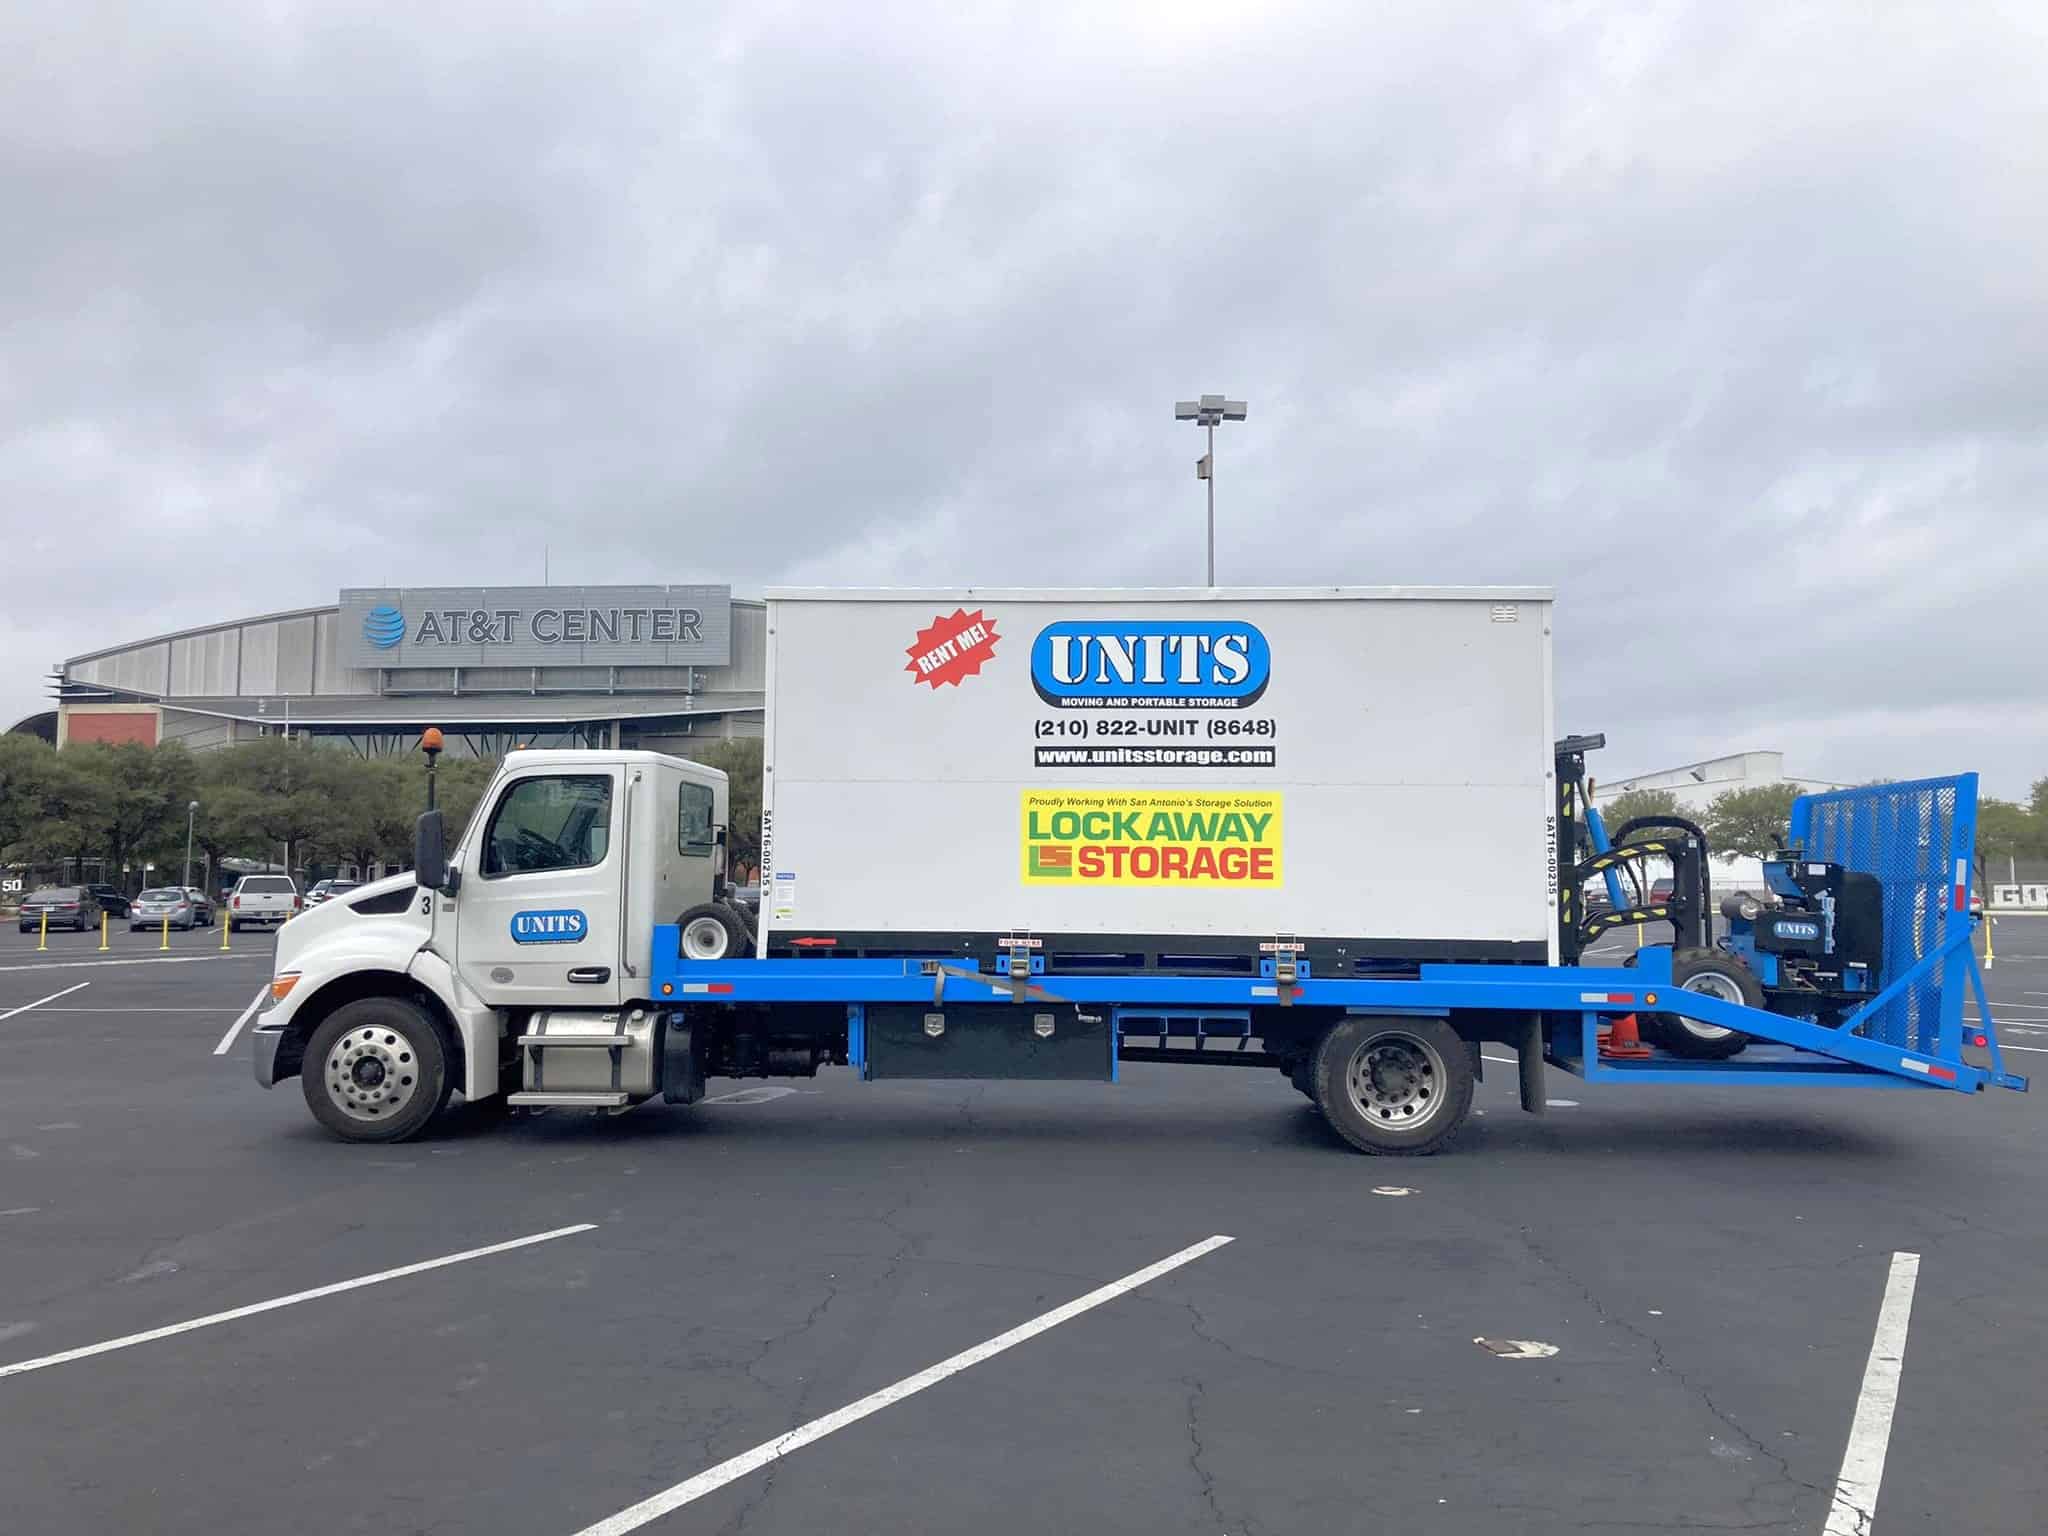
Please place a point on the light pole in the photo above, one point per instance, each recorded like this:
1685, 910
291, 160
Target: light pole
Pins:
191, 811
1207, 412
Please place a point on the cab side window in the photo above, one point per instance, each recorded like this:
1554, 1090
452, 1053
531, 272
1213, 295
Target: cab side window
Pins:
695, 834
562, 821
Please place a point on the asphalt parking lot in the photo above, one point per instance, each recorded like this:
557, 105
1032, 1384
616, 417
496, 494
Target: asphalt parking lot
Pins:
1703, 1268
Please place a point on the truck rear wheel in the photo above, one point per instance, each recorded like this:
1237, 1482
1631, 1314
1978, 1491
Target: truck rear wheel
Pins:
1711, 973
1393, 1086
710, 931
375, 1070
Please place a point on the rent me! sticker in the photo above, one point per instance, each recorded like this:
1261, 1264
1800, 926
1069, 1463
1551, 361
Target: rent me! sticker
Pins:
1151, 837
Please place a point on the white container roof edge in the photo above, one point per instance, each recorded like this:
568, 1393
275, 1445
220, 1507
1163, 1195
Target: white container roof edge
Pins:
1161, 594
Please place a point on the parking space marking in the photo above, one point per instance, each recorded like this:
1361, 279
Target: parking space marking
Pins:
24, 1008
78, 965
2007, 1045
235, 1028
739, 1466
1855, 1503
1506, 1061
22, 1367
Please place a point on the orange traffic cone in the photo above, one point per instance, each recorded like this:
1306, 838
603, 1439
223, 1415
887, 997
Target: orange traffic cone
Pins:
1622, 1043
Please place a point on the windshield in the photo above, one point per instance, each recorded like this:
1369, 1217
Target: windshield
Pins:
268, 885
162, 893
56, 893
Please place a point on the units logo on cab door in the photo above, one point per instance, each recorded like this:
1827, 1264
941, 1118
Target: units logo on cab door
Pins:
563, 925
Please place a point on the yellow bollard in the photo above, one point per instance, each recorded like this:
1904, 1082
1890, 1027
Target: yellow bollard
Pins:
103, 930
224, 925
1989, 923
43, 937
167, 932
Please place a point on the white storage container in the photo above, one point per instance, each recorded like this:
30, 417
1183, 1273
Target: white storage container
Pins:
1162, 771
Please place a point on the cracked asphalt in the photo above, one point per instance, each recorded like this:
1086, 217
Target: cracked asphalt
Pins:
1708, 1264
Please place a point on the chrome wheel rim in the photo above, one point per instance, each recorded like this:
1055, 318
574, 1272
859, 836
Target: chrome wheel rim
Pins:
1396, 1081
373, 1073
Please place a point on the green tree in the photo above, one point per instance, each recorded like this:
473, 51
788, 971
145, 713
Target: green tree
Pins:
1631, 803
1750, 821
127, 798
372, 813
740, 761
2037, 801
28, 774
2006, 831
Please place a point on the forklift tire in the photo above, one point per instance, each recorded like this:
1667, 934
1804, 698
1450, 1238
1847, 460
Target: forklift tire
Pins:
710, 931
1717, 974
376, 1070
1393, 1086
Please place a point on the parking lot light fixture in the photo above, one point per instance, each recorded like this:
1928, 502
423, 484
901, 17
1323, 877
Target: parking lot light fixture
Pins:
1207, 413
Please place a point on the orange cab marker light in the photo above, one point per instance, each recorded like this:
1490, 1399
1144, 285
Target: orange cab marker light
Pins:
281, 986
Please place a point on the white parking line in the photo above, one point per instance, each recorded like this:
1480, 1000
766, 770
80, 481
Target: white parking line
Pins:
774, 1450
80, 965
2007, 1045
1855, 1504
1506, 1061
235, 1029
21, 1367
24, 1008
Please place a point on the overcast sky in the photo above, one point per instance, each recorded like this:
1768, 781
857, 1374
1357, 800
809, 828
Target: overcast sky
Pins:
1729, 321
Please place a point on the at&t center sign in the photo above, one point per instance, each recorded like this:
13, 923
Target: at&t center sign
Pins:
536, 626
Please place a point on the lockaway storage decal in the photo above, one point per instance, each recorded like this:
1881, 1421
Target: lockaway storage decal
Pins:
1229, 838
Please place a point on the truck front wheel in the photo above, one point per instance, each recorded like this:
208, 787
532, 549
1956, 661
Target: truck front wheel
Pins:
1393, 1086
375, 1070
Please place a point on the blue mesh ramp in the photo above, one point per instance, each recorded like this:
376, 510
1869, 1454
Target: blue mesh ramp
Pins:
1916, 838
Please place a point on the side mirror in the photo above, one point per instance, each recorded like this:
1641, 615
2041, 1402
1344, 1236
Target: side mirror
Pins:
429, 853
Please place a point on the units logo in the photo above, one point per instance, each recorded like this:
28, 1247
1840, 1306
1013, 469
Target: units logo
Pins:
560, 926
1150, 664
1225, 838
384, 626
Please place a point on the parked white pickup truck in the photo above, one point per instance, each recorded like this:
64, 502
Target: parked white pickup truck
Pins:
265, 901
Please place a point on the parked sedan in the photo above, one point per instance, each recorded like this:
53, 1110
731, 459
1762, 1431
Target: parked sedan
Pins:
327, 890
111, 901
65, 906
202, 904
160, 904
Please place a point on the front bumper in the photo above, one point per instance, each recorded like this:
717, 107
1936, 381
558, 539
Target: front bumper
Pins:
263, 1048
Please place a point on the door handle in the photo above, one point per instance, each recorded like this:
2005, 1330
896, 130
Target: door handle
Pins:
591, 973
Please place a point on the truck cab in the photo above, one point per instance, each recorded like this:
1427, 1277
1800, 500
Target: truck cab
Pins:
540, 919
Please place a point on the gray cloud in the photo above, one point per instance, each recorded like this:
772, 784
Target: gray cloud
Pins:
1726, 320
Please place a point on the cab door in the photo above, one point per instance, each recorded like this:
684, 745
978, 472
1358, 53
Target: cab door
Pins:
538, 915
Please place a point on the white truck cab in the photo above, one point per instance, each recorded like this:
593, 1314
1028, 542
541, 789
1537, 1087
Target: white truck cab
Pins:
540, 922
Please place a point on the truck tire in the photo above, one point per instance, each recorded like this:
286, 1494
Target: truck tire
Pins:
1398, 1087
1713, 973
376, 1070
711, 932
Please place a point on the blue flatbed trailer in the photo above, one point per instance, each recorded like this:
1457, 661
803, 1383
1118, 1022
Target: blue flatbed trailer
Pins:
915, 1015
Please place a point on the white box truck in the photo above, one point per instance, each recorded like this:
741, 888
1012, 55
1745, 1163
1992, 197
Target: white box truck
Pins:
1043, 835
1365, 770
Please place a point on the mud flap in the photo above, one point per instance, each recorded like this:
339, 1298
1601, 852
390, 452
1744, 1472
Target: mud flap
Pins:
682, 1061
1529, 1064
